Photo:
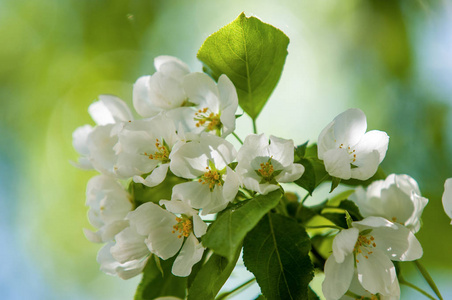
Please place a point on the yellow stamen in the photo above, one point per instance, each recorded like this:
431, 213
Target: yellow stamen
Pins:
208, 119
162, 152
184, 226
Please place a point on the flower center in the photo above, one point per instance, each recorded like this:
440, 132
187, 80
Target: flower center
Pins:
161, 153
184, 226
266, 170
351, 153
212, 177
208, 119
364, 245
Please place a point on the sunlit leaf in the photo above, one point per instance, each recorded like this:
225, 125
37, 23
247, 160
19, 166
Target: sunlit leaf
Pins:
252, 54
276, 251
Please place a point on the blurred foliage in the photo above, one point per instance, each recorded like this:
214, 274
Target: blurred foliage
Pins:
56, 57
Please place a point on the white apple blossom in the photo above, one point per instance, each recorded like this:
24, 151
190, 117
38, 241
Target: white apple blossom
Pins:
163, 90
348, 151
109, 204
205, 160
95, 144
370, 245
166, 233
262, 164
125, 257
215, 104
144, 146
397, 198
447, 198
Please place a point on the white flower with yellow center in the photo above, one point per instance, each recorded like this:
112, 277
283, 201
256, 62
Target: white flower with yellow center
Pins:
264, 163
168, 231
370, 245
95, 144
397, 198
144, 147
447, 198
215, 105
109, 204
206, 161
163, 90
347, 150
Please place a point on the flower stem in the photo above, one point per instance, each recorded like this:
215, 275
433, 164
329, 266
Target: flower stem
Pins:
300, 206
237, 137
403, 281
428, 278
254, 126
226, 294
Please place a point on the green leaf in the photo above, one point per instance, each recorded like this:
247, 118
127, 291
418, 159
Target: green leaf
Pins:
154, 284
142, 194
276, 251
312, 295
337, 218
225, 235
334, 183
252, 54
212, 276
352, 209
314, 169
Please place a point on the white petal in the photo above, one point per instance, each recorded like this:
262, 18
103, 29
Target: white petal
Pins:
129, 246
350, 126
371, 141
447, 198
228, 104
91, 236
337, 163
189, 255
155, 178
112, 267
291, 173
202, 90
216, 202
338, 277
171, 66
141, 102
199, 226
282, 150
194, 193
326, 140
344, 243
80, 138
376, 273
231, 185
367, 165
148, 216
109, 109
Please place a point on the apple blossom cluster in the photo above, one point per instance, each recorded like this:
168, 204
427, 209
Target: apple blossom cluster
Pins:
186, 117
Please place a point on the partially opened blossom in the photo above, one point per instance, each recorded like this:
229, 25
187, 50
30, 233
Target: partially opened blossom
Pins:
206, 160
397, 198
263, 163
163, 90
348, 151
447, 198
166, 233
125, 257
109, 204
144, 146
95, 144
370, 245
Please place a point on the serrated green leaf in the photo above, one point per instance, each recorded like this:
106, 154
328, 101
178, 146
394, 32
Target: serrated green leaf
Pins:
212, 276
142, 194
252, 54
225, 235
154, 284
300, 151
276, 251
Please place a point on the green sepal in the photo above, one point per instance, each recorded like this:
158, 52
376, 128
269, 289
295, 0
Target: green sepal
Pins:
334, 183
314, 169
349, 219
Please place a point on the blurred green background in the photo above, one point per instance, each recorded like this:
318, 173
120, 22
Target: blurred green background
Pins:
392, 59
